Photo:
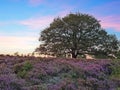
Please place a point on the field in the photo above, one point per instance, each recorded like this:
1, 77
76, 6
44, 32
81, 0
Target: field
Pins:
30, 73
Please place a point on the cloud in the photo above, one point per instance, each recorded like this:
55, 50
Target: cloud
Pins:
31, 2
35, 2
13, 41
11, 44
110, 22
41, 22
2, 23
37, 23
109, 14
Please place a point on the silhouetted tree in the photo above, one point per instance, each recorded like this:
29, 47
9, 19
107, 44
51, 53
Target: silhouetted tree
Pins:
75, 34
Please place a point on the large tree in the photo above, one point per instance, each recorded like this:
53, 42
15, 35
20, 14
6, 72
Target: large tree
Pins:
75, 34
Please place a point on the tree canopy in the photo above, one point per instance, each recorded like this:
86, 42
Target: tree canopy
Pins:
76, 34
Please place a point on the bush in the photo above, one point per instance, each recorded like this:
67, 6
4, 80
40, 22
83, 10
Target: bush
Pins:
22, 74
115, 69
101, 56
22, 70
9, 82
27, 66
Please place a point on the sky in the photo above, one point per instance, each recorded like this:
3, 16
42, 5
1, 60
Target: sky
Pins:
21, 21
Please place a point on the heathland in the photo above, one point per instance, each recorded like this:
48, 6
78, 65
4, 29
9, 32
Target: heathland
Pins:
31, 73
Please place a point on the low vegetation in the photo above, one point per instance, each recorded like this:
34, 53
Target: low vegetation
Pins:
30, 73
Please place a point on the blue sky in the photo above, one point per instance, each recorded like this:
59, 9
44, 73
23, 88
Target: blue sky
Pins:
22, 20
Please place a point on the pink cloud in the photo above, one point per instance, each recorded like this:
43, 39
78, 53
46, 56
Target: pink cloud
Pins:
31, 2
41, 22
109, 14
37, 23
44, 21
35, 2
12, 44
2, 23
110, 22
13, 41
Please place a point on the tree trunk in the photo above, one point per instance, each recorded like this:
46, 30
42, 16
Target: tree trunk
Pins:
74, 55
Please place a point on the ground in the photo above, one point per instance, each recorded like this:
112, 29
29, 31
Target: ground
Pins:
30, 73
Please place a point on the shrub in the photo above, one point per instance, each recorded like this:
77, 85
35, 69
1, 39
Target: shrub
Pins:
9, 82
22, 70
115, 69
22, 73
42, 77
17, 68
27, 66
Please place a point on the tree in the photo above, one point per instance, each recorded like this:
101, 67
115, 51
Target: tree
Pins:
108, 45
16, 54
117, 54
75, 33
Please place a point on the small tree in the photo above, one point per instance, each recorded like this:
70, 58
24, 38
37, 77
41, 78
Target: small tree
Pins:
16, 54
75, 34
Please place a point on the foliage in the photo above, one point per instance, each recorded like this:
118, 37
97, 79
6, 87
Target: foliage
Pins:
76, 34
10, 82
27, 66
101, 56
115, 69
22, 73
118, 54
21, 70
58, 74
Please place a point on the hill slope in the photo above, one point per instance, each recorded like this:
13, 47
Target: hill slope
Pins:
30, 73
